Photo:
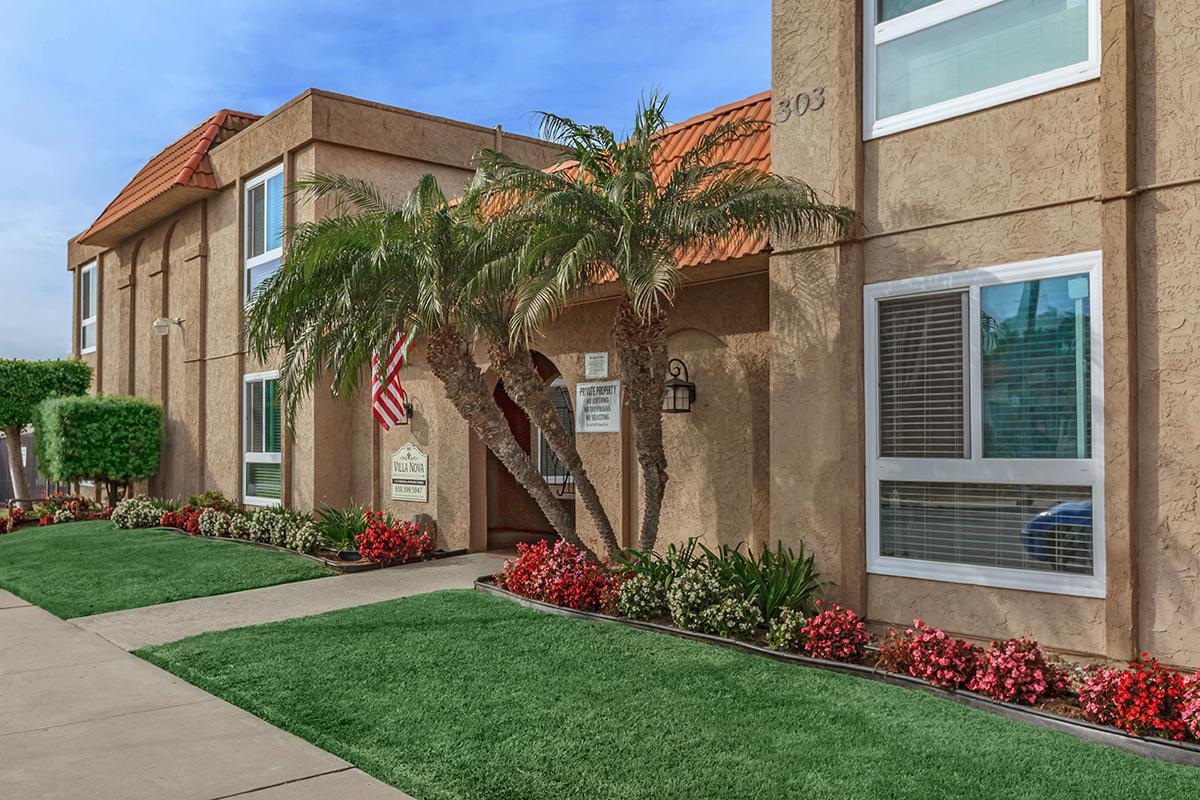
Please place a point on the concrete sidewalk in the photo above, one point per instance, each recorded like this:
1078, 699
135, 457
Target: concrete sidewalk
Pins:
81, 718
169, 622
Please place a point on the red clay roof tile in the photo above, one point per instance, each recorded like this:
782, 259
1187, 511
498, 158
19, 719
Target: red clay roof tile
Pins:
182, 163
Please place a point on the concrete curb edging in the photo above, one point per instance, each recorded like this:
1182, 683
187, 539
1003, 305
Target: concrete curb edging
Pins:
1161, 749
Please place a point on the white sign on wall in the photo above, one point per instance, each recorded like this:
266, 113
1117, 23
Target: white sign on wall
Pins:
598, 407
595, 366
410, 474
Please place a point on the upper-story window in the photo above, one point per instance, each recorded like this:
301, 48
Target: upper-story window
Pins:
928, 60
264, 227
88, 308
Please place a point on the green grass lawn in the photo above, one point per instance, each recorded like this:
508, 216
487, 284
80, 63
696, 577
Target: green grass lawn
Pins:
462, 695
82, 568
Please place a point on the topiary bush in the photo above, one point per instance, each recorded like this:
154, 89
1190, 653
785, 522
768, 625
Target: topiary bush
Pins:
110, 439
23, 386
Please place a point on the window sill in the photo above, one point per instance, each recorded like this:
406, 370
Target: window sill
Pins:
87, 351
261, 502
992, 577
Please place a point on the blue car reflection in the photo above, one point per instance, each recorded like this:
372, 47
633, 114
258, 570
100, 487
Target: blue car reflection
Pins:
1062, 536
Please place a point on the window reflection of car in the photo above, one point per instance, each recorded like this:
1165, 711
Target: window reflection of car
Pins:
1061, 536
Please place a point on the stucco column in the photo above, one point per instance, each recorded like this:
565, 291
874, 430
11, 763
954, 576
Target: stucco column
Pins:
1118, 126
816, 400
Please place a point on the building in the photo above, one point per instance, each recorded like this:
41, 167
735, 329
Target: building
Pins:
975, 410
1026, 173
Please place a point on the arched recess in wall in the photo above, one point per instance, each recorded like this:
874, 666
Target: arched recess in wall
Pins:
129, 315
710, 451
502, 512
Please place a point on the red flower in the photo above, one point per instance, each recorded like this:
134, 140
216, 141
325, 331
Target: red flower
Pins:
563, 575
393, 543
1145, 699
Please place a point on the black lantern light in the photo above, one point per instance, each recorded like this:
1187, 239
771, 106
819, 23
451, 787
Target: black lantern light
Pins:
680, 391
407, 408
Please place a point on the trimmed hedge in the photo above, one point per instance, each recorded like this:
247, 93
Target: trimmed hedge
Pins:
24, 384
110, 438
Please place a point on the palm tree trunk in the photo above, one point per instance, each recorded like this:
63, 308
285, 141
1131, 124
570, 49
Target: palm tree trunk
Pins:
16, 470
451, 361
527, 389
642, 357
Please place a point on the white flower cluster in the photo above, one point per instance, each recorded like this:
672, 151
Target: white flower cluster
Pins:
239, 526
733, 618
303, 537
784, 631
213, 522
641, 597
137, 512
690, 594
63, 515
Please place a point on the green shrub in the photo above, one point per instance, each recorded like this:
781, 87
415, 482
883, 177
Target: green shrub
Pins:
663, 568
773, 580
339, 526
110, 439
25, 384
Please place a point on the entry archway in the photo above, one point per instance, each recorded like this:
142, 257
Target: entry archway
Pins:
511, 515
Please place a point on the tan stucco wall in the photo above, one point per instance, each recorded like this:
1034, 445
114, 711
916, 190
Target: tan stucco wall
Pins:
1044, 176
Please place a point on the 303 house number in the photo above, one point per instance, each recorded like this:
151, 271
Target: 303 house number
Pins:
800, 104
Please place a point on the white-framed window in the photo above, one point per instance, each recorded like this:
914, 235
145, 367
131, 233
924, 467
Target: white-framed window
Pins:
984, 410
89, 304
263, 202
262, 440
548, 464
929, 60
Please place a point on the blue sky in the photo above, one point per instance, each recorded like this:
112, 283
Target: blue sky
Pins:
92, 90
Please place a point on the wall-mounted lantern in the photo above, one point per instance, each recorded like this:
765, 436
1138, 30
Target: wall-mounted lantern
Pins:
162, 325
407, 408
680, 391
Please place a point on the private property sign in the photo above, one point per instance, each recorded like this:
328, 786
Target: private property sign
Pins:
410, 474
598, 407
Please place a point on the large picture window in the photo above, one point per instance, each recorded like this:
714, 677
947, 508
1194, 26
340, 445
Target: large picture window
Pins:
264, 227
928, 60
262, 437
88, 308
984, 426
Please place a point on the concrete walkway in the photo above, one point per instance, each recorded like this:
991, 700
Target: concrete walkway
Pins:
81, 718
169, 622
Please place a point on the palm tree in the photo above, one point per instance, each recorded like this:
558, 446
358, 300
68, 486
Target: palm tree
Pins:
615, 210
350, 280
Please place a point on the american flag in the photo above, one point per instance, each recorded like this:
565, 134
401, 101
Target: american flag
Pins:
387, 395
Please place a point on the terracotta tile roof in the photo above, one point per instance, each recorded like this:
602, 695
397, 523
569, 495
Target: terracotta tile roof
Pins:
182, 163
752, 150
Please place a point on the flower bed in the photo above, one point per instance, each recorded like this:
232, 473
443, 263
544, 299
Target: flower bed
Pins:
1145, 707
383, 541
55, 509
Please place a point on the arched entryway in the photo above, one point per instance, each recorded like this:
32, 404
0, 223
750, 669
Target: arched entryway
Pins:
512, 515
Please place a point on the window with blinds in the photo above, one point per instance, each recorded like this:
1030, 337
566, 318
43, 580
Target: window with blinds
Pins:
922, 391
263, 432
1014, 526
985, 437
264, 227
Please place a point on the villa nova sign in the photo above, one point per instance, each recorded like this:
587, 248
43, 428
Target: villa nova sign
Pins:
410, 474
